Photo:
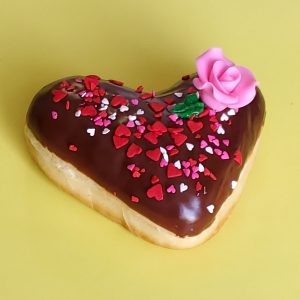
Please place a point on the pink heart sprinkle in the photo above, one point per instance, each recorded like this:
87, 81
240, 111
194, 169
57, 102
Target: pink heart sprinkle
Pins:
195, 169
106, 122
171, 189
89, 95
218, 151
195, 175
187, 172
54, 115
130, 124
99, 122
141, 129
226, 142
163, 163
225, 155
216, 142
211, 138
211, 112
131, 167
179, 122
185, 164
203, 144
170, 147
135, 101
173, 117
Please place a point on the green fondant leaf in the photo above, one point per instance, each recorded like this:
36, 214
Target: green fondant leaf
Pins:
191, 105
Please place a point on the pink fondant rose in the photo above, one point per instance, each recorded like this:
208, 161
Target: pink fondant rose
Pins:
221, 83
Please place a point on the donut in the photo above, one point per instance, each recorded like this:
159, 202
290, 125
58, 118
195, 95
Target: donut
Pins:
167, 165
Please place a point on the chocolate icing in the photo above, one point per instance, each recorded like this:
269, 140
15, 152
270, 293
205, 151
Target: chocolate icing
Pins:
184, 213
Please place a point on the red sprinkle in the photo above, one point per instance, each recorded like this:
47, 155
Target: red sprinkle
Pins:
146, 96
156, 106
91, 82
172, 171
89, 111
173, 151
116, 82
135, 199
169, 101
120, 142
238, 157
134, 150
151, 137
73, 148
154, 179
157, 127
58, 95
139, 89
67, 105
118, 100
202, 157
179, 139
122, 130
194, 126
154, 154
156, 192
198, 186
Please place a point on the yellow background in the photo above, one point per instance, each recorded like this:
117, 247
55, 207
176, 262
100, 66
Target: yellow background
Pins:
53, 247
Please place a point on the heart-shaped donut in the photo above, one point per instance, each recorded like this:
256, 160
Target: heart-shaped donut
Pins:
169, 165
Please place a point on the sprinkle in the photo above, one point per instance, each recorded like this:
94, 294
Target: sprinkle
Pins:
137, 122
189, 146
163, 163
209, 150
91, 82
106, 122
151, 137
156, 106
135, 101
218, 151
179, 139
220, 130
89, 111
173, 117
172, 171
224, 117
124, 108
171, 189
131, 117
157, 127
154, 154
120, 142
169, 101
179, 95
179, 122
195, 175
225, 155
226, 142
154, 179
185, 164
54, 115
113, 116
133, 150
177, 164
203, 144
231, 112
155, 192
198, 186
210, 208
73, 148
238, 157
105, 131
173, 152
141, 128
183, 187
194, 126
135, 199
233, 184
202, 157
118, 100
91, 131
78, 113
187, 172
131, 167
67, 105
140, 112
116, 82
58, 95
139, 89
201, 168
146, 96
105, 101
130, 124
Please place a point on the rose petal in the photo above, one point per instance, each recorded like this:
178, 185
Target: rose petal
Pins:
230, 79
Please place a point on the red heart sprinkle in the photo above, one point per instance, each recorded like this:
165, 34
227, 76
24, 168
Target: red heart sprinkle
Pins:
173, 151
122, 130
204, 113
154, 179
238, 157
116, 82
102, 114
156, 106
194, 126
156, 192
64, 83
151, 137
154, 154
138, 135
135, 199
206, 172
172, 171
146, 96
89, 111
67, 105
202, 157
133, 150
91, 82
213, 119
175, 130
102, 92
179, 139
118, 100
191, 90
192, 162
73, 148
139, 89
198, 186
169, 101
120, 142
58, 95
157, 126
214, 127
158, 115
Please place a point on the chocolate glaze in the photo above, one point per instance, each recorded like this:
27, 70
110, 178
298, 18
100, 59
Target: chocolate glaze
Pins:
185, 213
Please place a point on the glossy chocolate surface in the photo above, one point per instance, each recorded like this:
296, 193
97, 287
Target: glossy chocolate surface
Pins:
186, 213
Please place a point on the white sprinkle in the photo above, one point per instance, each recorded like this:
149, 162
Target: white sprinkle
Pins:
78, 113
105, 131
124, 108
105, 101
103, 107
220, 130
137, 122
166, 157
131, 118
113, 116
179, 95
91, 131
224, 117
140, 112
177, 164
189, 146
233, 184
209, 150
183, 187
210, 208
198, 95
231, 112
201, 168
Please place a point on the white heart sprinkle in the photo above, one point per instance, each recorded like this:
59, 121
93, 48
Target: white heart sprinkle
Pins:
140, 112
131, 118
177, 164
113, 116
78, 113
166, 157
189, 146
224, 117
137, 122
103, 107
209, 150
210, 208
124, 108
198, 95
183, 187
201, 168
91, 131
179, 95
220, 130
233, 184
163, 150
231, 112
105, 131
105, 101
